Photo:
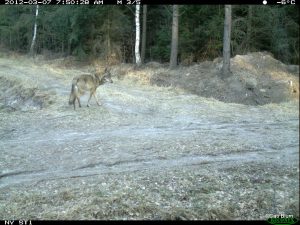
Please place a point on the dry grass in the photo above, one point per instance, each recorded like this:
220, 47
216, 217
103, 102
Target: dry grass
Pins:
22, 95
149, 152
177, 194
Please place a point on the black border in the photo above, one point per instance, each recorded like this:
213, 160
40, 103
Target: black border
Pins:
41, 222
149, 2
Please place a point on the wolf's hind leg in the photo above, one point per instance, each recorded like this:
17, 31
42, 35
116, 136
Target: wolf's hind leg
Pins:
88, 103
78, 101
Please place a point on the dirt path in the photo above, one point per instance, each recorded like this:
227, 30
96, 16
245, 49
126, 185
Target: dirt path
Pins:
145, 132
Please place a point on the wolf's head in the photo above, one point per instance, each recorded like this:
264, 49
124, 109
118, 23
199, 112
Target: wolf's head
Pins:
107, 76
103, 78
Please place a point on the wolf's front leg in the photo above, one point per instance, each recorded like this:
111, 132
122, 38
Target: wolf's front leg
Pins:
99, 104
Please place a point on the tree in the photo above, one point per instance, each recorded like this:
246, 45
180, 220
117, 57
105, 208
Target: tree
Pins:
201, 33
109, 32
144, 32
226, 42
137, 36
249, 28
174, 44
31, 52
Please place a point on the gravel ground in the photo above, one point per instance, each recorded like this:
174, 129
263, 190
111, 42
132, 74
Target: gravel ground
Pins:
147, 153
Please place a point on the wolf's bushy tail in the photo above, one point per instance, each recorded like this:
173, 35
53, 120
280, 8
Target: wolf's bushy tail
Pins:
72, 94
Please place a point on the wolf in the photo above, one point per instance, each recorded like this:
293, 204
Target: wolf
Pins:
88, 82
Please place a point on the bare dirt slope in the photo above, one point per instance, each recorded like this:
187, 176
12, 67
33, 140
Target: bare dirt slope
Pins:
257, 79
148, 152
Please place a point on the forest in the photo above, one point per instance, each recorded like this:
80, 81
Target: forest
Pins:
108, 32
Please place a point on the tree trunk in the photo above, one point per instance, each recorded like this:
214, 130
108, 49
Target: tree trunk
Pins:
137, 36
108, 41
174, 44
31, 52
226, 42
249, 28
144, 33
